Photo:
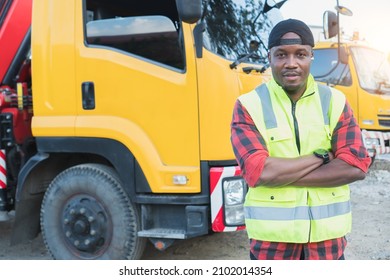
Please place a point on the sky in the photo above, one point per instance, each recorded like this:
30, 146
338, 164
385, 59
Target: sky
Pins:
370, 18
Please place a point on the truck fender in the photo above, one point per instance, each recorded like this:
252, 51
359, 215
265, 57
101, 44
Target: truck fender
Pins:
33, 180
27, 205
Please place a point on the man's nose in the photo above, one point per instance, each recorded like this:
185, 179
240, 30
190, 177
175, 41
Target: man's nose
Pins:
291, 61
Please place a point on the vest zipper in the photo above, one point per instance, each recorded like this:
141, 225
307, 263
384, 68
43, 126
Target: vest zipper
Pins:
298, 143
296, 128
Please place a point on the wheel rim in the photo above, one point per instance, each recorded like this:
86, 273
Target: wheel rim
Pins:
86, 226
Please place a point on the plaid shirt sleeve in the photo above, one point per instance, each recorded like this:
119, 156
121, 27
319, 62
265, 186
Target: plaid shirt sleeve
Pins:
347, 141
248, 145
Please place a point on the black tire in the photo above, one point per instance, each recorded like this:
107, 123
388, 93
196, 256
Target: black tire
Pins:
86, 214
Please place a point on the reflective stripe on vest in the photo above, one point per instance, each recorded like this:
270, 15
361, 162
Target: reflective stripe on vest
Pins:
297, 213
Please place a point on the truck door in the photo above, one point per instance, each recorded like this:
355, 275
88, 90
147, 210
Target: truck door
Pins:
135, 84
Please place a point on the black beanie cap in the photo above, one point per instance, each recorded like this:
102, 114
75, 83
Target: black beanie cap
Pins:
290, 25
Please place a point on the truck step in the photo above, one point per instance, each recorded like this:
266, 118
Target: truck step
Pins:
163, 233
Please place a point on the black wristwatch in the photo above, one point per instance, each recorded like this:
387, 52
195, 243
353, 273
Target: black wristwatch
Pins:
322, 153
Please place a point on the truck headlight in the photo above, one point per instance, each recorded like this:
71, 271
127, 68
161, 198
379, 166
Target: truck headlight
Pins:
234, 191
372, 142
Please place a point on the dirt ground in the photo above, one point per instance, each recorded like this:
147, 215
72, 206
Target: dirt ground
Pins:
369, 240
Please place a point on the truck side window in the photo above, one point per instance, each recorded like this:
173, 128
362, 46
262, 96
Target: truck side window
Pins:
132, 27
233, 26
325, 69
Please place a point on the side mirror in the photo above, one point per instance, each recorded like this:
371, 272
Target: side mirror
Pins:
330, 24
190, 11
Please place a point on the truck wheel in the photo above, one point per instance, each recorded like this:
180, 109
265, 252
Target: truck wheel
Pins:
86, 214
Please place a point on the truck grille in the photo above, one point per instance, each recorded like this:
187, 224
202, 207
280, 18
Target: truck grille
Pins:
384, 120
385, 123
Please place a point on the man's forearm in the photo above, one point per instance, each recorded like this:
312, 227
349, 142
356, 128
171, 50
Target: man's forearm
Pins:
335, 173
286, 171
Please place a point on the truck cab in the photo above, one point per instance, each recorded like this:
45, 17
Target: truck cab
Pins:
362, 73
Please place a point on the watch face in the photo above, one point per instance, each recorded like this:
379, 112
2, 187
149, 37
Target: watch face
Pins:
322, 153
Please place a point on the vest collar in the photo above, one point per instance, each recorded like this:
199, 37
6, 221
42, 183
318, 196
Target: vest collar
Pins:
278, 90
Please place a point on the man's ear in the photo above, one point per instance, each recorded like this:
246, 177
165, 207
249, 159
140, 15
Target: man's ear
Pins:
269, 56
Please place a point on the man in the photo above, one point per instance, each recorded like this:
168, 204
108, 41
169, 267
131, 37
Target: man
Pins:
298, 146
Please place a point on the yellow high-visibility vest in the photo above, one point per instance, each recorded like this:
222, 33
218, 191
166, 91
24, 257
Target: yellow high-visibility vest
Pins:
296, 214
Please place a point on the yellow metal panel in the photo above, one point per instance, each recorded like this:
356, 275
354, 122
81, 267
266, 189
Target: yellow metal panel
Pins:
53, 60
131, 135
53, 125
219, 87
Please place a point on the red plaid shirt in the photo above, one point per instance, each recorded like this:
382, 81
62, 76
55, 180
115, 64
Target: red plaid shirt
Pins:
251, 152
325, 250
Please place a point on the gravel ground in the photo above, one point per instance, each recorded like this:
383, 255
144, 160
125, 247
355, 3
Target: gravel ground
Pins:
369, 239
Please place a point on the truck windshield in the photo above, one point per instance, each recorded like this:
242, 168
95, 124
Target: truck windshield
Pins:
373, 69
325, 68
235, 28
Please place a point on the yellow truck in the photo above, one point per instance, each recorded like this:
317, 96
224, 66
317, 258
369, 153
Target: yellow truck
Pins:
126, 109
362, 73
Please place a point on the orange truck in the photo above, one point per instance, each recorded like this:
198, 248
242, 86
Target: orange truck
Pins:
115, 120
